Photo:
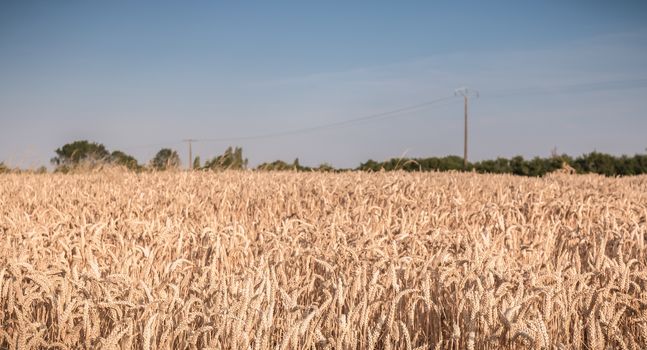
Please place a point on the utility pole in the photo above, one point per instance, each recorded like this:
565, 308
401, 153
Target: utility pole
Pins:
189, 141
466, 93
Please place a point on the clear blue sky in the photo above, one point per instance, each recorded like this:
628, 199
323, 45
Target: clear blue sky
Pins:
138, 76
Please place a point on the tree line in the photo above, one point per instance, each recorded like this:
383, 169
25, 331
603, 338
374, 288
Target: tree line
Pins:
594, 162
83, 155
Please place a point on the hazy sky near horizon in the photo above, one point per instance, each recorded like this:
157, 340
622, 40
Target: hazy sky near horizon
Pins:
141, 75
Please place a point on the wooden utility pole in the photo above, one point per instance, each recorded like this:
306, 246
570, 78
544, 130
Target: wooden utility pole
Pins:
465, 138
189, 141
466, 93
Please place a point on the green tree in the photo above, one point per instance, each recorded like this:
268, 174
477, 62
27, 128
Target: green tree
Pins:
599, 163
3, 168
370, 165
80, 153
123, 159
497, 166
231, 159
196, 162
325, 167
639, 164
273, 166
297, 166
594, 162
519, 166
282, 166
166, 158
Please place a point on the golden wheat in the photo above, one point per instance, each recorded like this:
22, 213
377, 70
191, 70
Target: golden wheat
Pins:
239, 260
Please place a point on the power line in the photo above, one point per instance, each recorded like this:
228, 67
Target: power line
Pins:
367, 118
151, 145
530, 91
371, 117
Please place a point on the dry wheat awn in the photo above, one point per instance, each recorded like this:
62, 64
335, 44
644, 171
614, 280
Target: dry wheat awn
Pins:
233, 260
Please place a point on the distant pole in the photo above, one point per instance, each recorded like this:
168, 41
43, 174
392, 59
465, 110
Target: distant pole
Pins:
465, 137
189, 141
466, 93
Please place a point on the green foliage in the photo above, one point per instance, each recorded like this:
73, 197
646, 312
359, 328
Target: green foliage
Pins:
408, 164
519, 166
4, 169
325, 167
89, 155
497, 166
80, 153
279, 165
442, 164
231, 159
370, 165
165, 159
599, 163
297, 166
123, 159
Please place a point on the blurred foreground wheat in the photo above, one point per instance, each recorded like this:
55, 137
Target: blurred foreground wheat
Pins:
243, 260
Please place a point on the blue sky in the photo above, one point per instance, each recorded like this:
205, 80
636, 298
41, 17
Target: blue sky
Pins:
139, 76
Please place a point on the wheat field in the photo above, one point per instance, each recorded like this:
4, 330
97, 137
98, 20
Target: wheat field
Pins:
252, 260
